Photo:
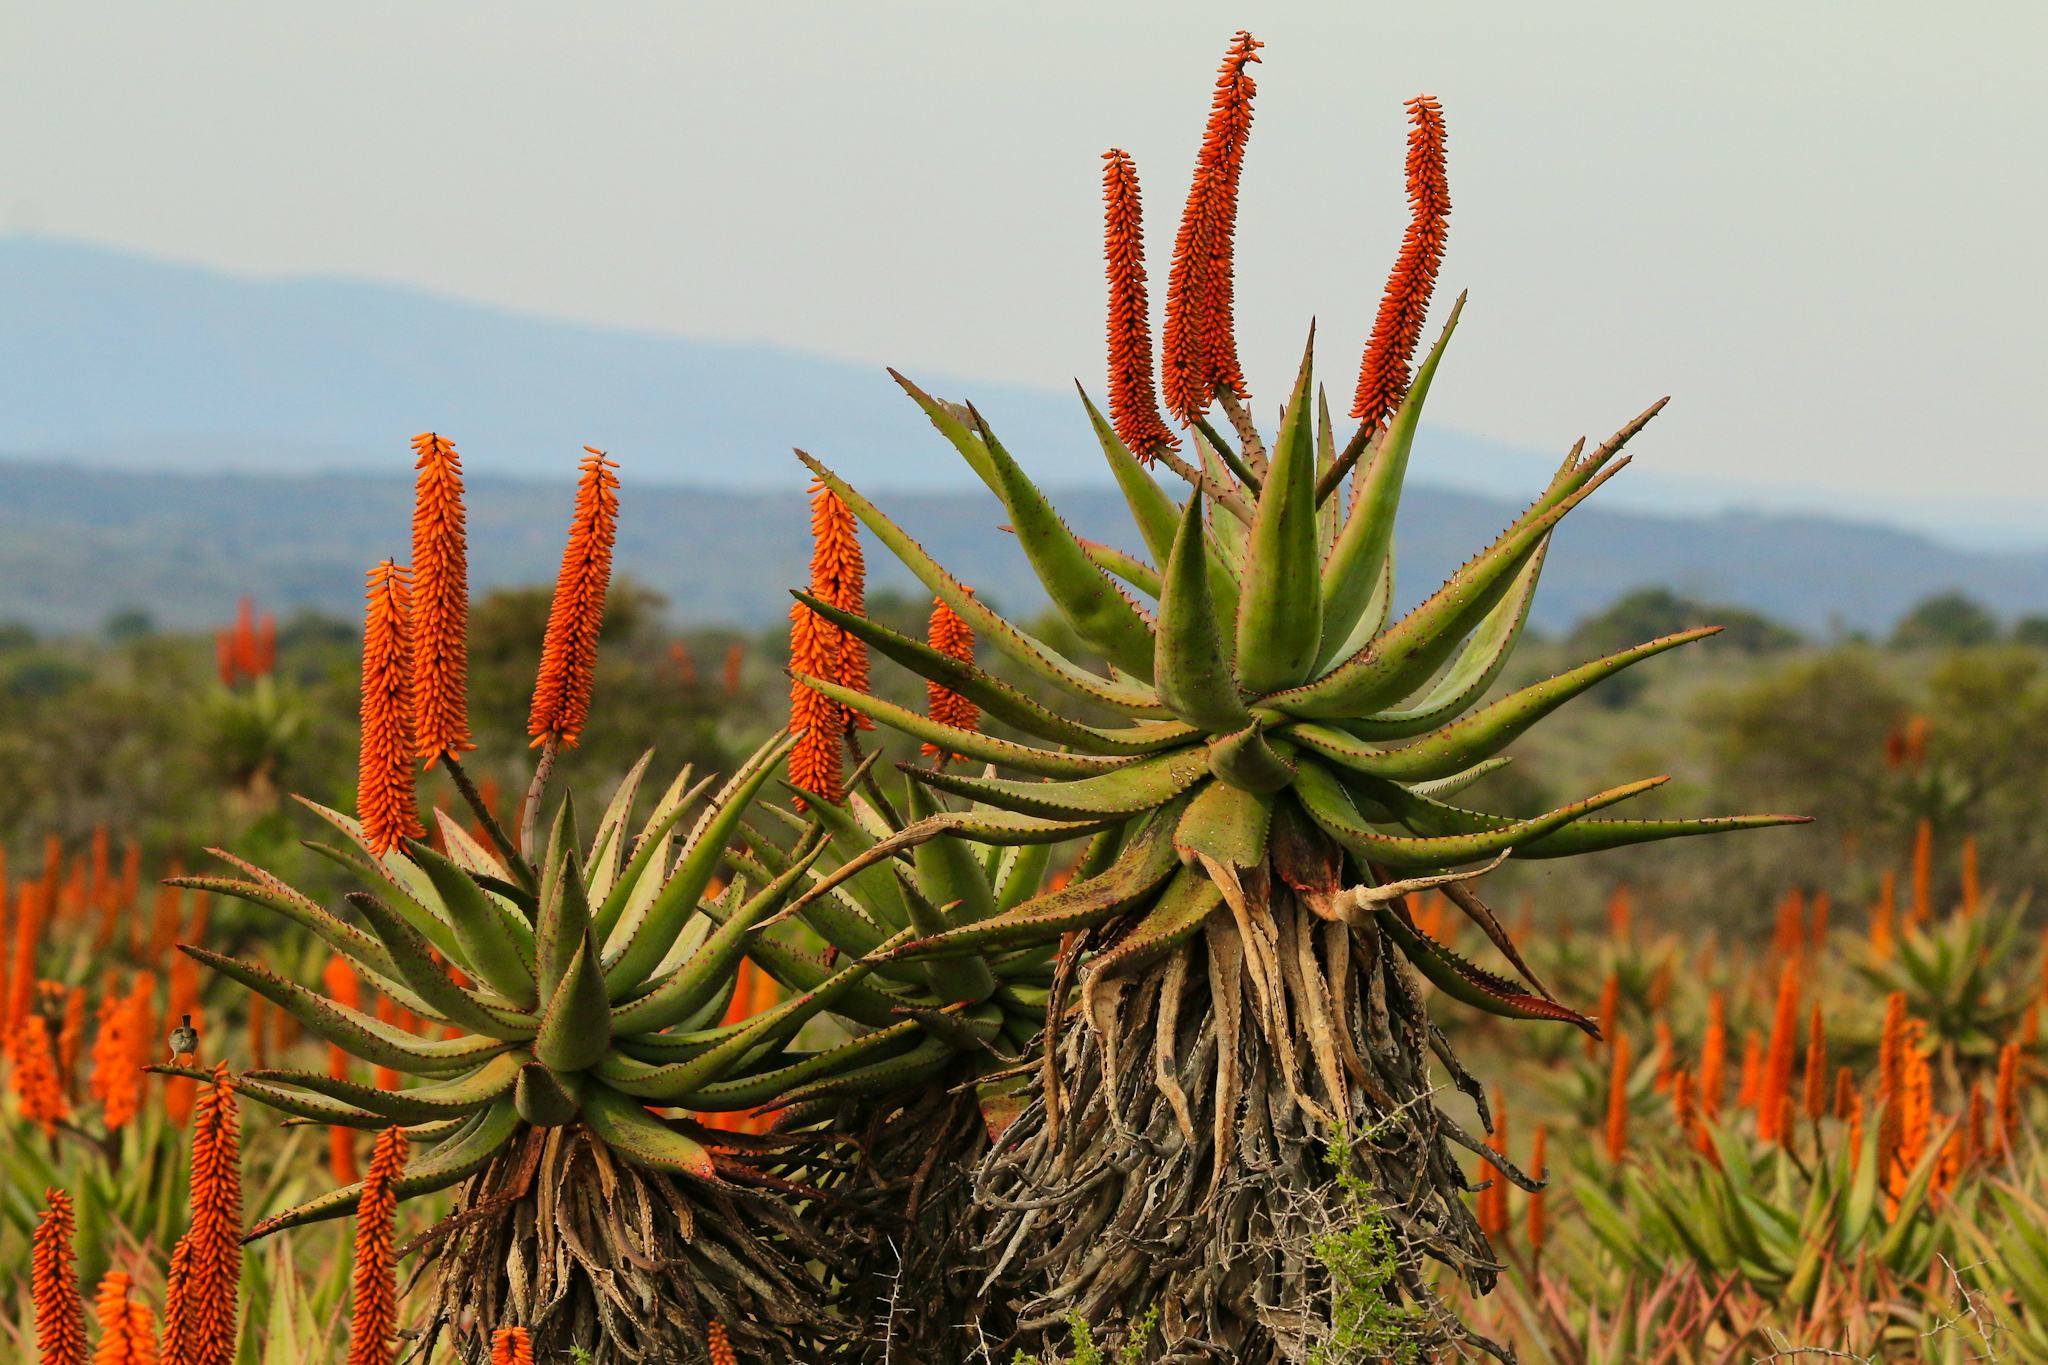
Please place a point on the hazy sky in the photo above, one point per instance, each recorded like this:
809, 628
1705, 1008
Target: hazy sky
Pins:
1819, 226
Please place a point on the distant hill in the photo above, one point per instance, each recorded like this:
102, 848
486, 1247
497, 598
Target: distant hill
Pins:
115, 360
76, 544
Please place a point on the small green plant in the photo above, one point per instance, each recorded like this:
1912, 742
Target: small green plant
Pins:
1086, 1352
1368, 1320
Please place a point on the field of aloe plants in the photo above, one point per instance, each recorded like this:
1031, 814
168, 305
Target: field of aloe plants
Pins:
1161, 981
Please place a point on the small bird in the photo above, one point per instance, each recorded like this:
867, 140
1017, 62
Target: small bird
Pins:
184, 1040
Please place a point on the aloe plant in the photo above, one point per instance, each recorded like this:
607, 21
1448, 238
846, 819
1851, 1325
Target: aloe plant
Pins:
949, 1037
581, 991
1280, 775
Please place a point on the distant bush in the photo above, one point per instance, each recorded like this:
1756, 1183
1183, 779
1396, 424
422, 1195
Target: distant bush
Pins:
1948, 620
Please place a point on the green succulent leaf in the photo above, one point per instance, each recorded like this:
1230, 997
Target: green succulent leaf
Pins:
1280, 611
351, 1030
465, 1094
576, 1029
1192, 659
497, 943
412, 963
1472, 984
456, 1158
1142, 786
624, 1123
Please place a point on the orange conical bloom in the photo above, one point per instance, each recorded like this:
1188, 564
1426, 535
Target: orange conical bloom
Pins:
1972, 891
2006, 1096
1538, 1221
1500, 1227
1749, 1085
1817, 921
201, 1303
342, 986
127, 1328
1714, 1056
1383, 372
568, 656
1620, 912
60, 1311
1815, 1094
1923, 873
1617, 1100
720, 1345
373, 1322
440, 602
1884, 916
1198, 353
683, 662
511, 1346
1845, 1092
35, 1075
729, 675
384, 779
1667, 1057
950, 636
1774, 1086
1133, 397
819, 649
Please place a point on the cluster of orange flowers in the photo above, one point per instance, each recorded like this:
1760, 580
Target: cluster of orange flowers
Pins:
44, 1023
247, 650
1383, 374
415, 702
1492, 1207
821, 649
1198, 352
568, 658
1133, 396
952, 637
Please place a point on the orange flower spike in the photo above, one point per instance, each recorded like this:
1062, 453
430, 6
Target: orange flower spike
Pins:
1972, 890
440, 601
511, 1346
35, 1079
952, 637
1845, 1092
1667, 1056
568, 657
1133, 396
1620, 913
127, 1329
1491, 1207
1198, 348
1817, 922
373, 1319
2006, 1096
1609, 1011
1775, 1085
59, 1309
1714, 1056
1383, 372
819, 649
1814, 1096
1923, 873
1617, 1101
839, 575
1976, 1136
201, 1306
1749, 1088
1538, 1223
729, 674
384, 780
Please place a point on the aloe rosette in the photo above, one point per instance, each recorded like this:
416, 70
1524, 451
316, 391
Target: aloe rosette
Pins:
1281, 771
581, 992
944, 1042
